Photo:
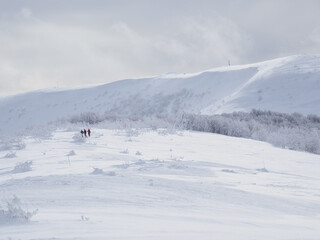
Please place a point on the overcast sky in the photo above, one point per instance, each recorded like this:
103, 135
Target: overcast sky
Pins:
82, 42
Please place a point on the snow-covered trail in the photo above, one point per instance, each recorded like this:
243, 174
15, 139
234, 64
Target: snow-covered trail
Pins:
154, 185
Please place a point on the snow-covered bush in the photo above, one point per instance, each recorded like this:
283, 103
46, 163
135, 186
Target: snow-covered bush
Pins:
10, 155
14, 213
99, 171
292, 131
110, 173
262, 170
84, 218
22, 167
19, 145
314, 118
133, 132
7, 144
130, 123
125, 151
312, 142
86, 117
71, 153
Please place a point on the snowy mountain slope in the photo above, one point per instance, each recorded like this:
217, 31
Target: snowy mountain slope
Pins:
118, 185
293, 86
289, 84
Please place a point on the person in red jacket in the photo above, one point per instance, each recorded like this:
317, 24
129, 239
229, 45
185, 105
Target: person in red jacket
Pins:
89, 132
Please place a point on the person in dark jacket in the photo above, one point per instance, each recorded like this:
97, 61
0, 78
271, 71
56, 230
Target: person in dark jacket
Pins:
81, 133
85, 132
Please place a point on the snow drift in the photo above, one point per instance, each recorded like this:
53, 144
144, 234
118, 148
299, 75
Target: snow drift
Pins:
188, 185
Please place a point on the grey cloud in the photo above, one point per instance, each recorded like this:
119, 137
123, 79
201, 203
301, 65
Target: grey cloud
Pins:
69, 43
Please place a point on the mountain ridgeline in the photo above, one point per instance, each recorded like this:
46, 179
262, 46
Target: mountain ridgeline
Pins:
286, 85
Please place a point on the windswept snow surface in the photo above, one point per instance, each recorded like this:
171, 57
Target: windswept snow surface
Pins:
290, 84
154, 185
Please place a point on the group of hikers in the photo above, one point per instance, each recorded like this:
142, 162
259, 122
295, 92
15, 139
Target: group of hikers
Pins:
84, 132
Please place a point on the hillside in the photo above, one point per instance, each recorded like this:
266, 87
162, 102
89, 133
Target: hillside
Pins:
154, 185
290, 84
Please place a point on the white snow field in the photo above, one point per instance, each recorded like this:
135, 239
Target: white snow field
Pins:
143, 184
290, 84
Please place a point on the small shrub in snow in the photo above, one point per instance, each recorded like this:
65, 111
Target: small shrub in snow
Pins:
138, 153
110, 173
22, 167
71, 153
150, 182
11, 144
126, 151
99, 171
125, 165
228, 171
14, 213
84, 218
262, 170
20, 146
140, 162
10, 155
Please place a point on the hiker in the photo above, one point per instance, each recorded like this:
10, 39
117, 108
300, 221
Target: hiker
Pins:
89, 131
85, 132
81, 133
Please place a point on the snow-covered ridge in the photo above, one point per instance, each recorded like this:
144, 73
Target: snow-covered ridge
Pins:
290, 84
